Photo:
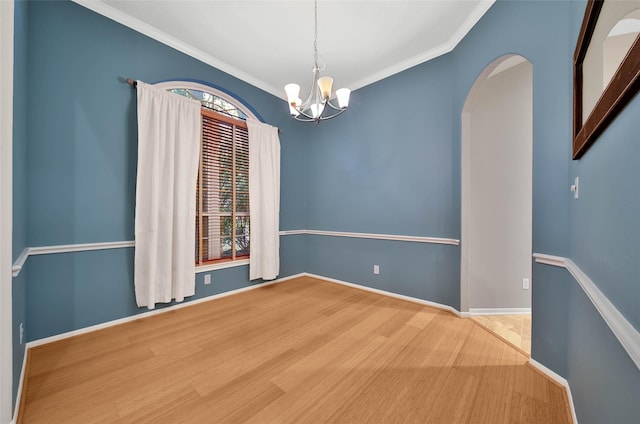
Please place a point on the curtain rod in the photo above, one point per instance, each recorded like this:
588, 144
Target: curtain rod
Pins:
133, 83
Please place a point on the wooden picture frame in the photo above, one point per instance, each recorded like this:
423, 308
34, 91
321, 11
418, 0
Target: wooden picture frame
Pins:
624, 85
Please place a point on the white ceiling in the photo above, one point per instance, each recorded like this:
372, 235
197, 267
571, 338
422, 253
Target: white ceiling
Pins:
269, 43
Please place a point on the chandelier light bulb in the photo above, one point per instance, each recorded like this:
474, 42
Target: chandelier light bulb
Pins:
325, 84
293, 92
343, 95
316, 109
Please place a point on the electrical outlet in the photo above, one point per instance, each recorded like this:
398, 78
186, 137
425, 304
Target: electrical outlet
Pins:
376, 269
525, 284
21, 333
207, 278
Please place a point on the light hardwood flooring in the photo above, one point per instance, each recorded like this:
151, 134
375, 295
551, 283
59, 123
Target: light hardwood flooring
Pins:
301, 351
515, 329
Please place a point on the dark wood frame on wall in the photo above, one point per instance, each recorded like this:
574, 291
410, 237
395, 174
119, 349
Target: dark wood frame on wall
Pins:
623, 86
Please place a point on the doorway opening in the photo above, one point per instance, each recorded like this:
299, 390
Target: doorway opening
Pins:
496, 165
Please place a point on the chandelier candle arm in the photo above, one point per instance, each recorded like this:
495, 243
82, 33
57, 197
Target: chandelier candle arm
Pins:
314, 109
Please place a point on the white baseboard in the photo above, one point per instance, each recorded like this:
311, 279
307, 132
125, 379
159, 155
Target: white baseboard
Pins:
554, 376
20, 385
499, 311
89, 329
147, 314
386, 293
558, 379
85, 330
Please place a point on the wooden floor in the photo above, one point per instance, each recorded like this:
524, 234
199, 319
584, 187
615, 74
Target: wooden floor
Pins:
515, 329
302, 351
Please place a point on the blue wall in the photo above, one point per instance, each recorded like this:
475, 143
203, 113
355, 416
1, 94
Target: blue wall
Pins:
550, 323
605, 219
19, 241
605, 244
81, 156
605, 383
387, 168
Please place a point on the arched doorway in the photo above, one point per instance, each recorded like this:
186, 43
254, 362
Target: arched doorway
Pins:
497, 141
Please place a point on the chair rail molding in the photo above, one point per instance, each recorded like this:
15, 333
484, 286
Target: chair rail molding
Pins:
83, 247
65, 248
626, 333
388, 293
373, 236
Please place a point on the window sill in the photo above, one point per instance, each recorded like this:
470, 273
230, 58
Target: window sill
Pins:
221, 265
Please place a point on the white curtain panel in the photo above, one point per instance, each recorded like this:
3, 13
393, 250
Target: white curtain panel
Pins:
264, 200
169, 128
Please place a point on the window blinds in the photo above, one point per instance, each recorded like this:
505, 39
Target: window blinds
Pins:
222, 211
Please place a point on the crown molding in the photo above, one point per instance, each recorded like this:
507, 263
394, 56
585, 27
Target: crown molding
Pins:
440, 50
150, 31
116, 15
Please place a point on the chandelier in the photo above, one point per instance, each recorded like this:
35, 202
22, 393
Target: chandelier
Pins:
319, 105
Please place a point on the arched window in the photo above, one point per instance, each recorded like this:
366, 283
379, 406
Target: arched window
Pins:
222, 195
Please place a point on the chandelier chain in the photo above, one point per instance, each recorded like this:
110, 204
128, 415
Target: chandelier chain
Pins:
315, 35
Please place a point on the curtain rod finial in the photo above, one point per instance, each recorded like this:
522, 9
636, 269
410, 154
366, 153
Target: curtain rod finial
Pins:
130, 81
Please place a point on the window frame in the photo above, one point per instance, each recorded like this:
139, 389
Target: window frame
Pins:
168, 85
